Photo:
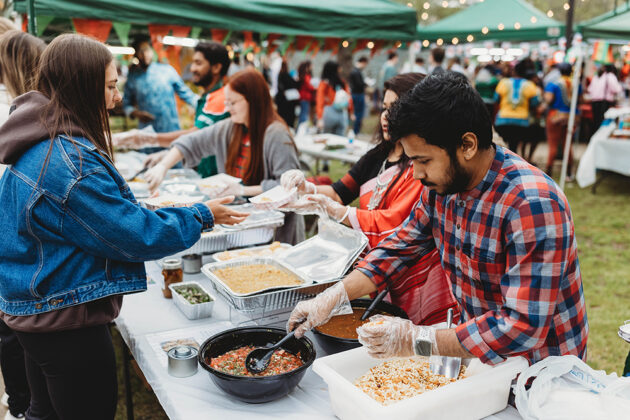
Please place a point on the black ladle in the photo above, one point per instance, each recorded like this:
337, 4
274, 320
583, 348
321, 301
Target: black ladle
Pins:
257, 361
373, 305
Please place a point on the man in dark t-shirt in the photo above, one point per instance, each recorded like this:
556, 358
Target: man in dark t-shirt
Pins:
357, 87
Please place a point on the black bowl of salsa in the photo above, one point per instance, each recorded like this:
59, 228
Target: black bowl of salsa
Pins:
223, 356
339, 334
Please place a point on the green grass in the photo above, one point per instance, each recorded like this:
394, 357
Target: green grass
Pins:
603, 233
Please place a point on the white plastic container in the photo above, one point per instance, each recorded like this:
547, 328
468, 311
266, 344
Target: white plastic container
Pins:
274, 198
196, 311
484, 392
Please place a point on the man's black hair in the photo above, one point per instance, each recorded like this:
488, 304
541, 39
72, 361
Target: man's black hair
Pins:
139, 40
565, 69
363, 59
215, 53
438, 54
441, 109
392, 55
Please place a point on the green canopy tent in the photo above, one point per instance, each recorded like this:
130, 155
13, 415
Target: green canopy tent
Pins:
496, 20
373, 19
612, 25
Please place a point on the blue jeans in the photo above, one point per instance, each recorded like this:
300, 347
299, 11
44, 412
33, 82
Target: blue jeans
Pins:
335, 121
305, 108
358, 99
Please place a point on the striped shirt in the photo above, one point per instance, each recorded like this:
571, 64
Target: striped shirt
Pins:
508, 247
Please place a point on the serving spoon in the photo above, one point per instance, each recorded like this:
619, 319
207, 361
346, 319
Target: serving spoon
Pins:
257, 361
374, 303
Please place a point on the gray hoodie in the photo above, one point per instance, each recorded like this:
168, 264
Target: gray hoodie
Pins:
26, 126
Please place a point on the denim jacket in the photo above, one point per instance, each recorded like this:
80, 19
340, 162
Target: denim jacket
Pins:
77, 234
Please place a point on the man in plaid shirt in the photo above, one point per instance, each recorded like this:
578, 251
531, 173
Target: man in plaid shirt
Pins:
504, 232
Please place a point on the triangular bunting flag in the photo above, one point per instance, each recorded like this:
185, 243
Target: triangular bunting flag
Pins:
42, 23
122, 31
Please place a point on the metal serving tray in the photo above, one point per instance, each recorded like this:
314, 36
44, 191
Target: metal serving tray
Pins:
271, 303
221, 257
258, 228
328, 255
211, 268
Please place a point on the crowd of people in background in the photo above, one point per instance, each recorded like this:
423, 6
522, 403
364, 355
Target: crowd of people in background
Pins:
528, 100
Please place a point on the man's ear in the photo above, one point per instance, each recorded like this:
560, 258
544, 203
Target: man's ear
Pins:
216, 68
470, 145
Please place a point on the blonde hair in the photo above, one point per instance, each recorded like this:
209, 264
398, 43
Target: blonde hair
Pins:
19, 59
6, 25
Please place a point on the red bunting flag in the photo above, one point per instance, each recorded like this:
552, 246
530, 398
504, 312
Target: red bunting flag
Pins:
95, 28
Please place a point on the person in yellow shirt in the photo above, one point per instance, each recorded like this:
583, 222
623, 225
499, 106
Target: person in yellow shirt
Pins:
517, 97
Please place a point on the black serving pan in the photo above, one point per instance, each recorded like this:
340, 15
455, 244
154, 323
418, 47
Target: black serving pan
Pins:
331, 344
256, 389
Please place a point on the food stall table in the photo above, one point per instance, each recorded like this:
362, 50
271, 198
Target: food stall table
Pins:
147, 319
603, 153
317, 145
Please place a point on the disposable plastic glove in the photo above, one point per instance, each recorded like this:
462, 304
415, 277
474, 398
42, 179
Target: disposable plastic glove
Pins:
155, 176
388, 336
295, 178
155, 158
235, 188
317, 311
318, 204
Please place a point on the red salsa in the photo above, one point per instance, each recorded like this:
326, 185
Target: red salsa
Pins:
233, 362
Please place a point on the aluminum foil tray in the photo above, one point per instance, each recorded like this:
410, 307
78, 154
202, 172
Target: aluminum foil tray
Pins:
210, 269
251, 252
327, 255
269, 303
220, 239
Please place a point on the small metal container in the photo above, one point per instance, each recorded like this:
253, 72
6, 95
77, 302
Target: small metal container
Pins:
182, 361
191, 263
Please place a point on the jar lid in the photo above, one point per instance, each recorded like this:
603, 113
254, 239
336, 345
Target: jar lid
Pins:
171, 263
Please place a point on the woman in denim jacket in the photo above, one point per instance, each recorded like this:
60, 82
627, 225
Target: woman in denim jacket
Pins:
74, 238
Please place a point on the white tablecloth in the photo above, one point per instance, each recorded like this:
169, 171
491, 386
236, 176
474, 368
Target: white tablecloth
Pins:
604, 153
351, 153
146, 318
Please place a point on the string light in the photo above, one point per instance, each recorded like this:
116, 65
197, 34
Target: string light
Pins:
484, 30
426, 5
470, 38
550, 13
455, 41
345, 44
370, 45
425, 16
533, 19
444, 3
425, 43
501, 26
440, 41
517, 26
462, 1
566, 6
409, 4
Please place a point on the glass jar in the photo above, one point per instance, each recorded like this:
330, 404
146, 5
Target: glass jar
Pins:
173, 273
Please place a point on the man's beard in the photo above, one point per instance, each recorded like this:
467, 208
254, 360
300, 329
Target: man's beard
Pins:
458, 179
205, 80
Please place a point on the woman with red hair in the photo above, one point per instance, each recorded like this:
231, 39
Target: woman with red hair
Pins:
254, 144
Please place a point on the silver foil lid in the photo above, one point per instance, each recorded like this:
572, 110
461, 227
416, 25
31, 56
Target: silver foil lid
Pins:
171, 263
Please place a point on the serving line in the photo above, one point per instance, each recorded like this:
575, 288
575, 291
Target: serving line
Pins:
146, 318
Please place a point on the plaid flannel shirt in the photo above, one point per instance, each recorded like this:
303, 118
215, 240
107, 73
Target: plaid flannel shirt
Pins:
509, 249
